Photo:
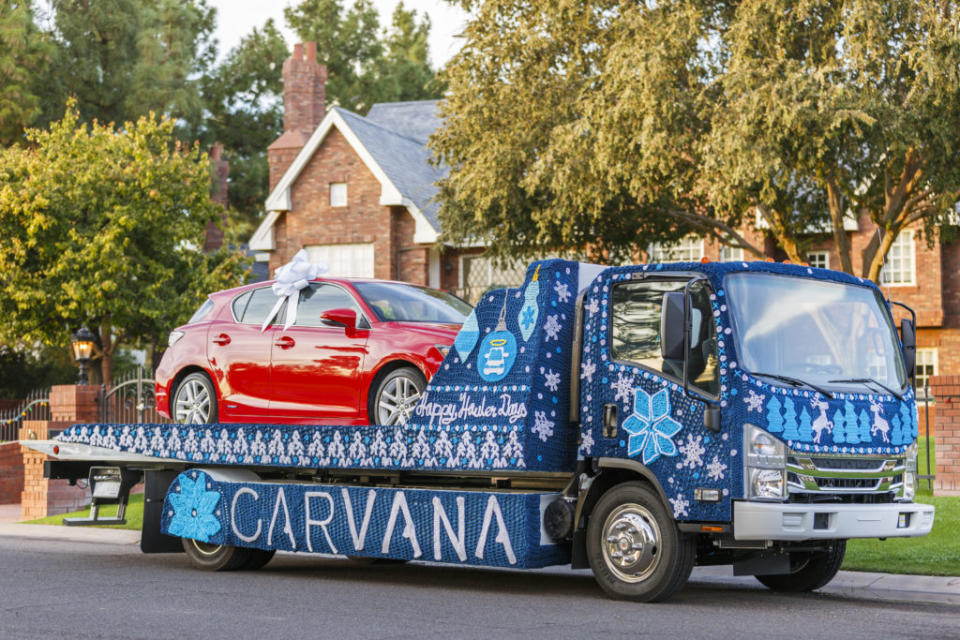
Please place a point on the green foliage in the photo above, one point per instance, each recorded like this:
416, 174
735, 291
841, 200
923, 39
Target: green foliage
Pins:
609, 125
24, 54
23, 370
121, 59
99, 226
363, 65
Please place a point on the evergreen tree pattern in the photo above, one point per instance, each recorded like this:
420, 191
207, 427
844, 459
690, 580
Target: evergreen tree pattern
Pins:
896, 432
839, 435
791, 430
909, 428
850, 423
774, 419
806, 426
864, 426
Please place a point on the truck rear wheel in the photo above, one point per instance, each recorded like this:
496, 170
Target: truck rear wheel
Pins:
814, 570
221, 557
634, 547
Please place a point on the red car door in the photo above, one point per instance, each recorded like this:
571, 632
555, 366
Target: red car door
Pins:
315, 367
239, 353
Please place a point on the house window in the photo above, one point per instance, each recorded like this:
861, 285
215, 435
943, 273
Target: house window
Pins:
731, 254
899, 265
689, 249
338, 194
343, 260
480, 273
926, 367
819, 259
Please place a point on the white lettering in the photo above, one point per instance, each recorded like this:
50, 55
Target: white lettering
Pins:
503, 536
321, 523
458, 541
446, 413
409, 531
287, 527
233, 515
359, 540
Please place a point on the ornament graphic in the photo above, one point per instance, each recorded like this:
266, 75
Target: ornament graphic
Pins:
498, 351
467, 338
530, 311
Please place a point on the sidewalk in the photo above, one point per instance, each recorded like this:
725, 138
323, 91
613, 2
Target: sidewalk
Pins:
883, 587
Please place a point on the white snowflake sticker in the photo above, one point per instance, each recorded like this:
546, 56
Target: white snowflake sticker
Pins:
680, 505
551, 380
587, 369
552, 328
563, 291
716, 469
622, 388
692, 451
542, 426
754, 401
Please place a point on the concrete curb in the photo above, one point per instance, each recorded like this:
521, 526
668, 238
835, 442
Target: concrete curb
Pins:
69, 534
863, 585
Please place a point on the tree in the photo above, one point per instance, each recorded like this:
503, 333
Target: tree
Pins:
365, 66
605, 125
99, 227
24, 54
121, 59
774, 419
791, 428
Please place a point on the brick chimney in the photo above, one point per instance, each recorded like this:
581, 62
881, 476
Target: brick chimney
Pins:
304, 105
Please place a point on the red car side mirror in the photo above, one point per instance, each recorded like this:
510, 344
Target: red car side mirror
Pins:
344, 317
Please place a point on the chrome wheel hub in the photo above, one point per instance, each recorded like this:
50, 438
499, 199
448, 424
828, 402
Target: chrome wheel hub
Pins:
192, 403
631, 543
397, 401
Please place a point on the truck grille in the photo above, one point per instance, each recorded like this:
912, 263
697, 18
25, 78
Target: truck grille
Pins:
843, 474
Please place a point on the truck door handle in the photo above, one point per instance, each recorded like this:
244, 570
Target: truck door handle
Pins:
222, 339
610, 420
285, 342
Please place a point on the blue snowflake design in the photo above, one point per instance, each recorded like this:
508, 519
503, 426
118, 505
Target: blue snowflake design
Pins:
650, 426
193, 508
528, 318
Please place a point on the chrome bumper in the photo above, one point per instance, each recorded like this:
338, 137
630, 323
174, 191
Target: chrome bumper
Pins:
780, 521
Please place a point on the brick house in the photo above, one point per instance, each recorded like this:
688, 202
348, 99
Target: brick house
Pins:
355, 191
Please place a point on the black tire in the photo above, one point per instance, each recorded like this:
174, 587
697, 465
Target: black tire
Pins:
631, 518
258, 559
395, 396
814, 570
194, 400
216, 557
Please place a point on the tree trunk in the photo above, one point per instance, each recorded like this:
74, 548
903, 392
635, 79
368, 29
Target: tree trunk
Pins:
875, 253
840, 237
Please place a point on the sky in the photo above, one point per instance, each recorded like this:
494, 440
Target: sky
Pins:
236, 18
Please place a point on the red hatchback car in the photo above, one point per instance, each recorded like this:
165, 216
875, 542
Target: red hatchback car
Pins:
359, 352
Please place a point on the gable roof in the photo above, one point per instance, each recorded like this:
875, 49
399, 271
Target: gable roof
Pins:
391, 141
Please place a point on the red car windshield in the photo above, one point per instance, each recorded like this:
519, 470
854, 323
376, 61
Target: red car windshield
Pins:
408, 303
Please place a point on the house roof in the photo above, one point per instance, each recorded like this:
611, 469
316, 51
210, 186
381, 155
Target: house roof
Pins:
391, 140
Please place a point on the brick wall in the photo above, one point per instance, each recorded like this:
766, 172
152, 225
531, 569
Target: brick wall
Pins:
11, 473
946, 389
42, 497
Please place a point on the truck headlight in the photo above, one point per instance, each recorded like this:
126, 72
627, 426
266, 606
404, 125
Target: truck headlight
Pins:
910, 478
765, 465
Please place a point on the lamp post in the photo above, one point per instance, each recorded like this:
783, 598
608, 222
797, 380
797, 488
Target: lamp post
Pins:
82, 344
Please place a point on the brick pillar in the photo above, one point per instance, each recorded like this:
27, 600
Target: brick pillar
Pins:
69, 404
946, 390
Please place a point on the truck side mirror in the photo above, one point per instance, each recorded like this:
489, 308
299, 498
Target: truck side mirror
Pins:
671, 326
908, 336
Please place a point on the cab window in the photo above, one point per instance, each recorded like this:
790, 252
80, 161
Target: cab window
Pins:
635, 331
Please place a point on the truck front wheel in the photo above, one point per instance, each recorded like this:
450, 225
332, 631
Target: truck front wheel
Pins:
634, 547
814, 570
221, 557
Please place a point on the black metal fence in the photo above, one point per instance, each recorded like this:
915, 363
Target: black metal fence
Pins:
130, 399
36, 406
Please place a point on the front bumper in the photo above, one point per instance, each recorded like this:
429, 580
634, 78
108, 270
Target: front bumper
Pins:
779, 521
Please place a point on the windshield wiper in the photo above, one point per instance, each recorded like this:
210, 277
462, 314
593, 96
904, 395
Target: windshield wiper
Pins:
871, 381
797, 382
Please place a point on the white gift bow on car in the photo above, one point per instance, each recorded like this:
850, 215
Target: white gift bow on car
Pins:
290, 279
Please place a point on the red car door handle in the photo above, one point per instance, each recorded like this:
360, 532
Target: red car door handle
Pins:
285, 342
222, 339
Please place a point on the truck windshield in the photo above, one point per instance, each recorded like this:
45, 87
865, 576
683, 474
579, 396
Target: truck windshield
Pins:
819, 331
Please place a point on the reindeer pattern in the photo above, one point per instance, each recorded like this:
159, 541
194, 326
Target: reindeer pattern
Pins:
821, 422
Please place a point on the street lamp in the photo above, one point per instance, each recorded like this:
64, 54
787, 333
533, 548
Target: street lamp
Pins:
82, 344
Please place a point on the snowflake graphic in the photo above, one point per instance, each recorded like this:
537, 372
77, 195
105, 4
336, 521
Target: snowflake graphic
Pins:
623, 387
541, 426
680, 505
586, 442
528, 317
715, 469
754, 402
552, 328
587, 369
563, 291
692, 451
650, 426
592, 307
193, 509
551, 380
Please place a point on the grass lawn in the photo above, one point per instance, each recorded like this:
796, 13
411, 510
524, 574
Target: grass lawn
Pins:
134, 515
937, 554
